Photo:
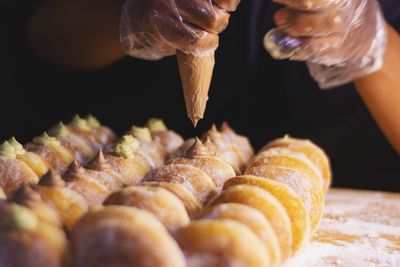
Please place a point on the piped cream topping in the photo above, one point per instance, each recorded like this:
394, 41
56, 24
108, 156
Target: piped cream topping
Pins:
141, 133
45, 139
126, 146
18, 147
7, 150
80, 123
156, 125
197, 150
18, 217
59, 130
51, 178
92, 121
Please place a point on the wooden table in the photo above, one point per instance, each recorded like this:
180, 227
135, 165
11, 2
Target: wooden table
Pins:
359, 229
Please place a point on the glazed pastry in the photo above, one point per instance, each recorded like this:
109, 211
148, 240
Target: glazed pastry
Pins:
92, 131
26, 241
268, 205
201, 157
87, 184
169, 139
104, 135
163, 204
193, 179
221, 243
13, 171
69, 204
83, 151
129, 160
222, 145
123, 237
191, 203
27, 197
242, 143
57, 156
290, 201
297, 172
34, 161
152, 149
181, 150
308, 148
253, 219
2, 194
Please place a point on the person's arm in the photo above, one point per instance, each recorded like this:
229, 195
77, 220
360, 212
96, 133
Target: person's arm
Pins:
381, 91
80, 34
85, 34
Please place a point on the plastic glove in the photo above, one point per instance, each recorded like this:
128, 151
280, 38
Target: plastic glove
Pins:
153, 29
340, 40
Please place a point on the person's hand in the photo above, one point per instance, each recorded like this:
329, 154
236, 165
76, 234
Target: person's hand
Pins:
153, 29
340, 40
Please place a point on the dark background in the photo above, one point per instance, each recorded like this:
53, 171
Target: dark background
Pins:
261, 98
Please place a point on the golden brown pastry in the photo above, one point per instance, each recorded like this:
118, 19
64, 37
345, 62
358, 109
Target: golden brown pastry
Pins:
253, 219
34, 161
242, 143
290, 201
129, 160
2, 194
104, 135
200, 157
163, 204
181, 150
311, 150
148, 146
296, 171
192, 205
88, 186
57, 156
221, 243
83, 151
225, 149
124, 237
193, 179
13, 171
268, 205
169, 139
69, 204
91, 130
29, 198
26, 241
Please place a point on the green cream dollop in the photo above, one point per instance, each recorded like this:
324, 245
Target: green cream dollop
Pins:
80, 123
156, 125
126, 146
19, 218
92, 121
18, 147
7, 150
141, 133
45, 139
59, 130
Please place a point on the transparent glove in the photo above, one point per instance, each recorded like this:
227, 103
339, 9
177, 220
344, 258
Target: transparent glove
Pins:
340, 40
153, 29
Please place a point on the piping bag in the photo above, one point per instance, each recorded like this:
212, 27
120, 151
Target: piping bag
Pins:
196, 73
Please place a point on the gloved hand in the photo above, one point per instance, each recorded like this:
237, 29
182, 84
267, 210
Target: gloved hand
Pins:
153, 29
340, 40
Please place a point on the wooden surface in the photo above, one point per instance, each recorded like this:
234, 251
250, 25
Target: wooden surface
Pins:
359, 229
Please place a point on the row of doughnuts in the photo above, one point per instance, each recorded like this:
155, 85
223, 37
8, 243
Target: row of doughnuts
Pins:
52, 203
257, 219
167, 202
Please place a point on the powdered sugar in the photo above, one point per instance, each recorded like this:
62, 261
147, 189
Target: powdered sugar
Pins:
359, 229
